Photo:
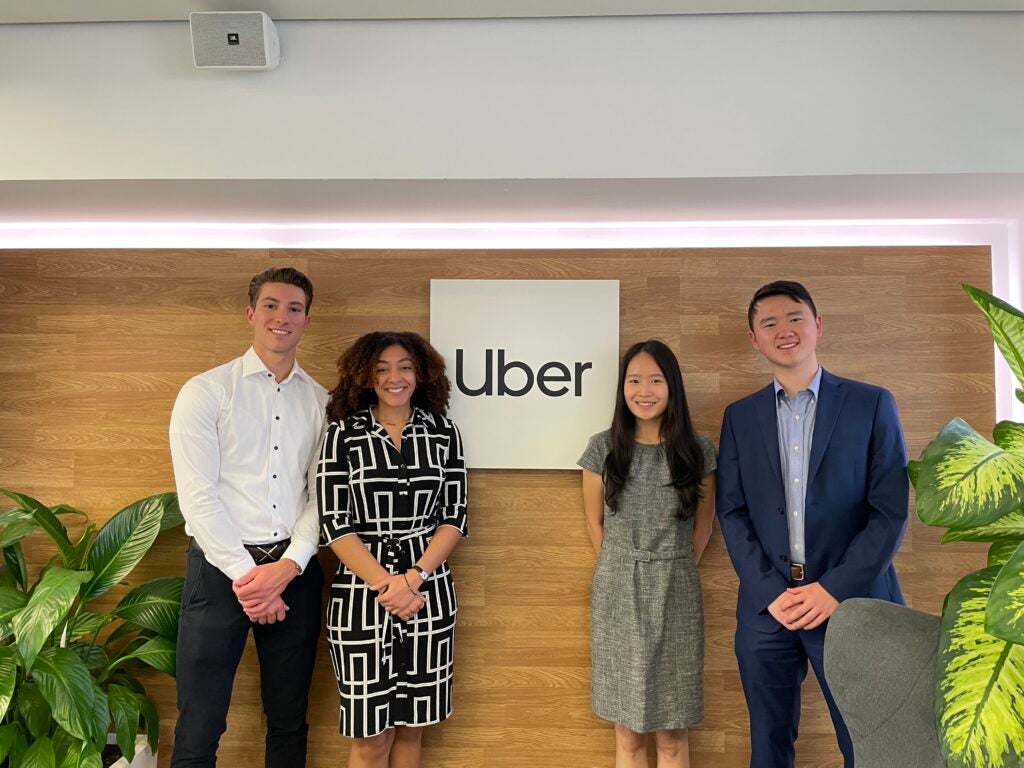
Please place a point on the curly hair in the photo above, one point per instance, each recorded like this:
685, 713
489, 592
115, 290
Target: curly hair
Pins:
357, 369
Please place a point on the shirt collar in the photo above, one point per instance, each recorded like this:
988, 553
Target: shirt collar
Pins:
813, 387
251, 364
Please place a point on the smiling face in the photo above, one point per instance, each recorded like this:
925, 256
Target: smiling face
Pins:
645, 389
278, 319
786, 332
394, 378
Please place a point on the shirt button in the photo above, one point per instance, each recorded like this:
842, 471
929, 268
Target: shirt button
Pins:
796, 448
797, 417
275, 477
274, 506
275, 534
795, 479
275, 447
277, 418
795, 512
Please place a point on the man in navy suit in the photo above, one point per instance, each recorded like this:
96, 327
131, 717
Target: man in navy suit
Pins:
812, 498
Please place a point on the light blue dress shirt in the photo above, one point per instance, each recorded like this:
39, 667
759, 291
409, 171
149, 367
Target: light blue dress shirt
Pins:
796, 426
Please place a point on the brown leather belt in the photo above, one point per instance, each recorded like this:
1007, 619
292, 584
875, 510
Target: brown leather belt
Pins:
797, 571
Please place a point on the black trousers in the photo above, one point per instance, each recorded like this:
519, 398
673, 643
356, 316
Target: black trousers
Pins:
211, 637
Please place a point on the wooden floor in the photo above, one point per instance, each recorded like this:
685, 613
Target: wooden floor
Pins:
95, 345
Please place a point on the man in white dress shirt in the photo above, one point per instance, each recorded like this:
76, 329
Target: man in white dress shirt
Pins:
242, 438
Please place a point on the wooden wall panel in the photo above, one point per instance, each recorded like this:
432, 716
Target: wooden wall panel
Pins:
95, 345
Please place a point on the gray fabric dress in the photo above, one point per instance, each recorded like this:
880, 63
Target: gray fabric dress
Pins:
647, 613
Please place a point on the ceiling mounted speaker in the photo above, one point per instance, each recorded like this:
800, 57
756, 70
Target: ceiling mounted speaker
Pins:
234, 40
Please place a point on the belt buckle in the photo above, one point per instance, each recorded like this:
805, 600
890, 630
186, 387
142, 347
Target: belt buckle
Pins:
797, 571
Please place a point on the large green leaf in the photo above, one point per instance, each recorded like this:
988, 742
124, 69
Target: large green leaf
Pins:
964, 480
93, 655
67, 748
8, 735
1010, 526
154, 605
82, 547
33, 709
980, 683
65, 682
48, 522
1009, 435
1001, 550
8, 677
152, 718
1005, 617
1007, 324
15, 532
157, 652
87, 624
14, 559
11, 601
172, 517
40, 755
46, 609
122, 542
124, 707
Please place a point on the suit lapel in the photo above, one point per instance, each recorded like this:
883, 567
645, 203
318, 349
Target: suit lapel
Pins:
768, 421
830, 402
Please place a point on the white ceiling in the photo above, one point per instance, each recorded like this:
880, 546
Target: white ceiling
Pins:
37, 11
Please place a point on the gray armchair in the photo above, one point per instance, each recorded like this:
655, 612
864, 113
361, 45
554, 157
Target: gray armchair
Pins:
880, 666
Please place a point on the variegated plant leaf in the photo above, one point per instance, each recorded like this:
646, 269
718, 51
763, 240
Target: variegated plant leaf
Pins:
1009, 435
978, 683
913, 469
1007, 325
1001, 550
1010, 526
964, 480
1005, 615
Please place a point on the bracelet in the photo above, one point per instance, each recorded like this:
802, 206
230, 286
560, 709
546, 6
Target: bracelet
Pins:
410, 585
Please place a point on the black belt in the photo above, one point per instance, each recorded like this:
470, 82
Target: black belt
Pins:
261, 553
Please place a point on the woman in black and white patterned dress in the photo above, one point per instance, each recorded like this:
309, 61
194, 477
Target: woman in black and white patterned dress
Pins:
391, 489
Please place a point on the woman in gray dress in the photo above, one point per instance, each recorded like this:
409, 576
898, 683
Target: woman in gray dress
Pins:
648, 495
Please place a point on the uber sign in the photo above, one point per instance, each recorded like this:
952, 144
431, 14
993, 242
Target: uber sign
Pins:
533, 365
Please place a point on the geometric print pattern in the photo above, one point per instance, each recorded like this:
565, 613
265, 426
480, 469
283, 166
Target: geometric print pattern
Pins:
391, 672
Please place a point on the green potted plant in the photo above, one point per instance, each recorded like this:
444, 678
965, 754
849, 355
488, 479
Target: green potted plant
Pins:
920, 691
975, 488
67, 666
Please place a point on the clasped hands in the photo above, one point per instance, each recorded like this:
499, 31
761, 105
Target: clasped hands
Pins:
259, 590
399, 594
804, 607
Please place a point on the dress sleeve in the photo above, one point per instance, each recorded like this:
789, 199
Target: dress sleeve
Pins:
597, 450
332, 486
710, 457
452, 506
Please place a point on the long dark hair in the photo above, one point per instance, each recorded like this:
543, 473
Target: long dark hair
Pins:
685, 455
356, 371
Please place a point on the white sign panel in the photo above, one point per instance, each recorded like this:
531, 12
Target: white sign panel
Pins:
533, 366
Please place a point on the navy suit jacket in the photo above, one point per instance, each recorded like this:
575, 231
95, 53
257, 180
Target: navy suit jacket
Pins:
855, 505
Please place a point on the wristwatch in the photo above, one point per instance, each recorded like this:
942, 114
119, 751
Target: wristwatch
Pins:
423, 574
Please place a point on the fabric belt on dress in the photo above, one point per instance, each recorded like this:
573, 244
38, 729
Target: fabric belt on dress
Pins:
393, 631
646, 556
261, 553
